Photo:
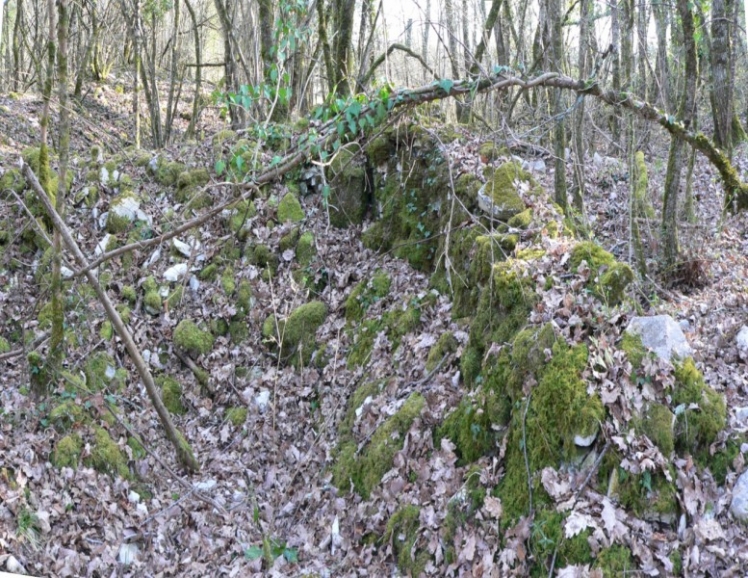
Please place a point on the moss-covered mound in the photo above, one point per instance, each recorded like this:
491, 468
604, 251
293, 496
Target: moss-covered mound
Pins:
608, 278
189, 337
363, 470
348, 201
293, 338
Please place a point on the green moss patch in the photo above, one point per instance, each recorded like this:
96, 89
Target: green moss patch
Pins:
700, 411
171, 394
294, 338
348, 201
657, 424
236, 415
402, 532
67, 452
548, 541
106, 456
192, 339
365, 294
364, 469
290, 210
608, 278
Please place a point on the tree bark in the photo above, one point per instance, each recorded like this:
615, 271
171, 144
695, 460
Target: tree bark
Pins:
721, 93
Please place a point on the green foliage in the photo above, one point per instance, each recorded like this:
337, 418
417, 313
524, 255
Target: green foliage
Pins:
616, 561
271, 549
657, 424
547, 540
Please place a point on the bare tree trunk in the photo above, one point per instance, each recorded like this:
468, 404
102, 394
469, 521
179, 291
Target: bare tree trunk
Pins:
669, 231
198, 70
17, 46
343, 23
137, 64
585, 12
171, 104
662, 67
721, 93
425, 40
615, 39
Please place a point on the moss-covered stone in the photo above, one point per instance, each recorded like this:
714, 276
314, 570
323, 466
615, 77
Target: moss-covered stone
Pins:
701, 412
171, 394
106, 456
262, 256
502, 311
67, 415
543, 433
192, 339
236, 415
129, 294
363, 343
239, 217
289, 240
348, 189
548, 541
656, 423
616, 561
723, 460
174, 299
293, 338
102, 372
244, 299
365, 294
364, 470
227, 281
152, 302
608, 278
165, 172
290, 210
402, 532
490, 151
12, 180
220, 138
67, 451
446, 344
306, 249
4, 345
632, 345
521, 220
209, 273
501, 190
189, 188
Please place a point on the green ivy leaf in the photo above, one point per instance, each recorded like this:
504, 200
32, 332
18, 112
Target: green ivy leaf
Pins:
253, 552
220, 167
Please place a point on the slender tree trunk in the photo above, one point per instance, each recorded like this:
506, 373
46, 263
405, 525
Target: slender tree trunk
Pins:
585, 11
343, 23
171, 104
137, 64
669, 234
721, 66
425, 39
662, 66
198, 69
17, 46
326, 49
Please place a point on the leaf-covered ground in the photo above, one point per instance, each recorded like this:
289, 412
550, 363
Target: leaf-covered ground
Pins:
263, 502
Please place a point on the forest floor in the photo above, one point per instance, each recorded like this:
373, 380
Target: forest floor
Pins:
279, 513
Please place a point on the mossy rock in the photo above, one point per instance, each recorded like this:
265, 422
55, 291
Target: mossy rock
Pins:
290, 210
236, 415
289, 240
499, 196
166, 173
171, 394
102, 372
632, 345
502, 312
106, 456
293, 338
364, 337
152, 302
617, 560
490, 151
220, 138
67, 451
209, 273
656, 422
608, 278
227, 281
129, 294
174, 299
348, 189
189, 188
262, 256
648, 495
67, 415
365, 294
4, 345
560, 409
548, 541
12, 180
239, 218
701, 412
189, 337
306, 249
244, 299
379, 149
365, 469
521, 220
723, 460
402, 532
445, 345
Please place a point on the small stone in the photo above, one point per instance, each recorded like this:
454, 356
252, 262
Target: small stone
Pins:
662, 335
742, 342
176, 272
585, 441
262, 399
739, 504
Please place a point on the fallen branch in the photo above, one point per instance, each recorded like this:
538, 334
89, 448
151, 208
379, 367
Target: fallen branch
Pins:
184, 452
